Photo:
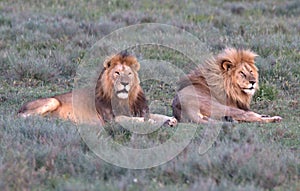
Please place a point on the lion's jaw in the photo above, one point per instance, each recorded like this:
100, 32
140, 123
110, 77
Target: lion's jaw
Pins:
250, 90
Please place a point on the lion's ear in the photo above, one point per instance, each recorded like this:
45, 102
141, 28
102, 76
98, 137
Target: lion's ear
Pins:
226, 65
136, 66
107, 64
108, 61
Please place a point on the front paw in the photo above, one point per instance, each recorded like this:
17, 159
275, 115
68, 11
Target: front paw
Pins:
274, 119
277, 119
171, 122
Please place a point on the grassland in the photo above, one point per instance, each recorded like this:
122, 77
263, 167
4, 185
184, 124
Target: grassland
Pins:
42, 44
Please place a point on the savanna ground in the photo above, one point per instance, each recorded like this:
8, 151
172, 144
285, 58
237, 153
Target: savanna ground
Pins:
43, 42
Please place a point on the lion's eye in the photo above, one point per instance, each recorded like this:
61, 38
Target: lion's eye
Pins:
129, 74
117, 73
243, 74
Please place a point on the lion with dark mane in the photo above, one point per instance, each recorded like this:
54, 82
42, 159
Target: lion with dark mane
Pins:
117, 96
221, 88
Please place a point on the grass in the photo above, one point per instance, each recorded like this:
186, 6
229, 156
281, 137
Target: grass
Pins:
42, 44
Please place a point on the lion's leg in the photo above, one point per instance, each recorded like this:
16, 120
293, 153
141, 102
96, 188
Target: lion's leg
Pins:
250, 116
219, 111
187, 107
194, 116
39, 107
153, 118
123, 118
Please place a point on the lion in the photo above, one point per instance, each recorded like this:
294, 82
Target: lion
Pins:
220, 89
118, 97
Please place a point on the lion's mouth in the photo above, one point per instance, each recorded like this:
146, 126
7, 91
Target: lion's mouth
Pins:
122, 94
122, 91
250, 90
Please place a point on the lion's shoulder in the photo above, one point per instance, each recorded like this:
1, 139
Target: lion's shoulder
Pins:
206, 77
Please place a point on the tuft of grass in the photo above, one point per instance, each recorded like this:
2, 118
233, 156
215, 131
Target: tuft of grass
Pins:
266, 93
37, 69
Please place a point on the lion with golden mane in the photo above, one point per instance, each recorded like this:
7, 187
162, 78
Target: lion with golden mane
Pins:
118, 96
221, 88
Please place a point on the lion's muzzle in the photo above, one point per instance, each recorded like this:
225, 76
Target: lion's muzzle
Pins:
123, 90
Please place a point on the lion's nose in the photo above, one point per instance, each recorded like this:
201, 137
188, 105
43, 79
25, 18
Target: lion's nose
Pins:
252, 82
124, 83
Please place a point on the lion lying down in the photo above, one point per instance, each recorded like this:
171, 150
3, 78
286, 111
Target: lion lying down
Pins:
118, 96
221, 88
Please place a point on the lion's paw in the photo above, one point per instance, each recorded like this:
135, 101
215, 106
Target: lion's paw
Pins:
277, 119
274, 119
171, 122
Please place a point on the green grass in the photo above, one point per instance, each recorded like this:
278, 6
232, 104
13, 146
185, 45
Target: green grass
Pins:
43, 43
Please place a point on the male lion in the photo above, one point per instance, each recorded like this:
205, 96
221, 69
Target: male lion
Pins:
118, 96
220, 89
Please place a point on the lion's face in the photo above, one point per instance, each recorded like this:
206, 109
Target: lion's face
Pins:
120, 78
246, 78
118, 90
239, 71
123, 80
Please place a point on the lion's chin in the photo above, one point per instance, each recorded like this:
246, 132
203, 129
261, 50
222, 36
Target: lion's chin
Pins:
122, 95
249, 91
